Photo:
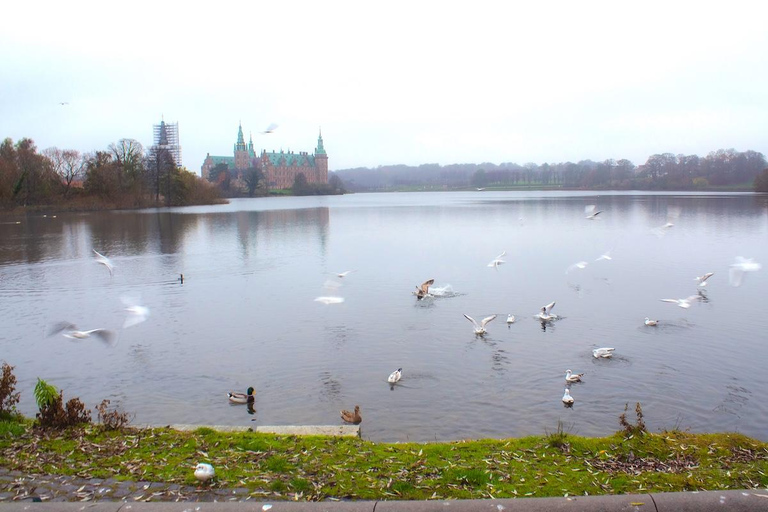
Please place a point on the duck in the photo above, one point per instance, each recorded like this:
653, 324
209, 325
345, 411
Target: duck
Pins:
242, 398
651, 323
605, 352
480, 328
567, 398
573, 377
204, 472
395, 376
352, 417
510, 319
423, 290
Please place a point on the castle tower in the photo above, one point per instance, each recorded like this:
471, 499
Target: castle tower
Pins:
321, 160
241, 150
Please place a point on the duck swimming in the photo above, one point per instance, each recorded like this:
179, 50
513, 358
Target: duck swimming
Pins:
352, 417
242, 398
651, 323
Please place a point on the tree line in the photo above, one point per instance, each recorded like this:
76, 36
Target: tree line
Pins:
125, 175
725, 168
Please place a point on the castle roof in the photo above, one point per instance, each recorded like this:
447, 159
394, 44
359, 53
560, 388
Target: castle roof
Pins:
289, 159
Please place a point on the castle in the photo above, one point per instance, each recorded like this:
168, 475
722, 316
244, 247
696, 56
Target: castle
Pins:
279, 168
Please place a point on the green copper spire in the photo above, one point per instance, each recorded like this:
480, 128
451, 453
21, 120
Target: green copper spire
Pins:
320, 150
240, 139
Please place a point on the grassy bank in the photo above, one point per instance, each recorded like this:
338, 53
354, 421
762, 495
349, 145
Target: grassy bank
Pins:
314, 468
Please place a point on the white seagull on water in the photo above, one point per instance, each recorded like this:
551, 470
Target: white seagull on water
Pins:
573, 377
567, 398
545, 312
480, 328
605, 352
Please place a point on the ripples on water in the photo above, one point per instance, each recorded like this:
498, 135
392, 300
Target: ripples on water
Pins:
246, 315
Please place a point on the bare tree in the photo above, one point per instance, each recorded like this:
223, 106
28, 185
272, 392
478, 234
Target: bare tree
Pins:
68, 164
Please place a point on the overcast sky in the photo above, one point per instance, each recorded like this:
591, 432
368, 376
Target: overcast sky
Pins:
409, 82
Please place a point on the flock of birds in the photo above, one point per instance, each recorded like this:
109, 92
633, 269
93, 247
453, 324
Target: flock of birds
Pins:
545, 315
137, 313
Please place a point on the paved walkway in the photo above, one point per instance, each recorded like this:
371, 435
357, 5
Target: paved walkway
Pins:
30, 493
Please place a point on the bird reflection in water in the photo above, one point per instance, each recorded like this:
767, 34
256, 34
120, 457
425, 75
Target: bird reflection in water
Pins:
703, 296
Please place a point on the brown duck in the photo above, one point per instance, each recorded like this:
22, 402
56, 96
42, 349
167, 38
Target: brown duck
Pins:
352, 417
423, 290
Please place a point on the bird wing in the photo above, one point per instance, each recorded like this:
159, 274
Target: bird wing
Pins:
486, 320
673, 301
549, 307
270, 128
426, 284
693, 298
472, 320
589, 209
706, 276
107, 336
503, 253
61, 326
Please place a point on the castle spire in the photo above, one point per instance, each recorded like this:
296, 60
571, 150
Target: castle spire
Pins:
240, 145
320, 150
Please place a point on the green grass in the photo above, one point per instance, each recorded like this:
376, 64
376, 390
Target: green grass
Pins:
313, 468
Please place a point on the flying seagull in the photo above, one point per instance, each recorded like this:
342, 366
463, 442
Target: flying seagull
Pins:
497, 260
480, 328
591, 212
100, 258
69, 330
330, 300
702, 280
683, 303
736, 272
136, 312
270, 129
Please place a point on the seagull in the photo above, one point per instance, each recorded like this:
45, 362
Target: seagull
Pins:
344, 274
579, 265
510, 319
330, 300
100, 258
423, 290
545, 312
63, 103
480, 328
567, 398
736, 272
703, 279
606, 256
395, 376
352, 417
605, 352
590, 212
497, 260
573, 377
136, 313
270, 129
673, 213
683, 303
69, 330
204, 472
651, 323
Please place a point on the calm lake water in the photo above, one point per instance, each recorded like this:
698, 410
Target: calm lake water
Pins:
246, 315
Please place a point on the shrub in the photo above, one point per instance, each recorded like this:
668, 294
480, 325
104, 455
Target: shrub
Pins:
53, 414
111, 418
629, 428
8, 399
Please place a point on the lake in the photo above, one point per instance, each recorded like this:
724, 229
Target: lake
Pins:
246, 313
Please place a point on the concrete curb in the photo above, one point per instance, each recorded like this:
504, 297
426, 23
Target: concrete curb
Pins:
703, 501
284, 430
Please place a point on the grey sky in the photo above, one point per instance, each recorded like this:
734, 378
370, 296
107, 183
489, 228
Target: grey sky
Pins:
397, 82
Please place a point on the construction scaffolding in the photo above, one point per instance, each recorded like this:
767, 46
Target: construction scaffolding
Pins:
166, 136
